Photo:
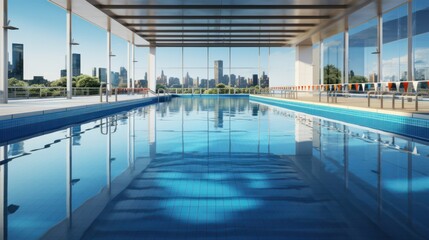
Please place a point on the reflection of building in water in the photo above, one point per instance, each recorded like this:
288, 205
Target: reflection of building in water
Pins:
218, 116
16, 149
255, 109
76, 135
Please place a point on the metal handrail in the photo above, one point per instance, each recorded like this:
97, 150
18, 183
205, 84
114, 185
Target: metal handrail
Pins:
369, 97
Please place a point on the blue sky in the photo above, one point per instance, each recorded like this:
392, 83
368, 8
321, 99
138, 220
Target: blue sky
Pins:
43, 33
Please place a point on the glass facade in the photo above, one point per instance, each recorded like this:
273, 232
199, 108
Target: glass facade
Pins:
362, 53
395, 45
421, 39
333, 60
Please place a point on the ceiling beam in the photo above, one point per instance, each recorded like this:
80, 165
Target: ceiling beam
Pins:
221, 6
219, 31
179, 44
220, 25
217, 40
216, 36
237, 17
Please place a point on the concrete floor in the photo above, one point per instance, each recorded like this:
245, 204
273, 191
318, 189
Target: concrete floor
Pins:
27, 107
361, 103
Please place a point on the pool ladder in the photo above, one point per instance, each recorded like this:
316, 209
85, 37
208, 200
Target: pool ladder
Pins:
110, 122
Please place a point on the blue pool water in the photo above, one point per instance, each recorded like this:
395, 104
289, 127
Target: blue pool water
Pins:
216, 168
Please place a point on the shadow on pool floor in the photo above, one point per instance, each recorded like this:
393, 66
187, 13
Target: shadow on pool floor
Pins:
223, 197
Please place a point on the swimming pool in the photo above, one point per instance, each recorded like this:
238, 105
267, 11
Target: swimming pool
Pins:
216, 167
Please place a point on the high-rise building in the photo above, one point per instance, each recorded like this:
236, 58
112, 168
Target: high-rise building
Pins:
94, 72
123, 74
17, 61
264, 81
233, 80
102, 74
76, 64
63, 73
218, 71
255, 80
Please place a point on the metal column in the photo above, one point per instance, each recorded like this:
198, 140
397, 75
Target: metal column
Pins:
109, 58
152, 68
379, 39
4, 58
410, 42
69, 49
128, 65
346, 50
133, 65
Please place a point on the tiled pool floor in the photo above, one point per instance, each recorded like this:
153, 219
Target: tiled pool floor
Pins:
225, 197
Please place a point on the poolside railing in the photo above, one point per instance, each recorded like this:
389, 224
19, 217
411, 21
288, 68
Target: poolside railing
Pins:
411, 92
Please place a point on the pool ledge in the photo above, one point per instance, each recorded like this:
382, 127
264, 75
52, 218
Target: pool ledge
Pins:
23, 124
414, 126
333, 105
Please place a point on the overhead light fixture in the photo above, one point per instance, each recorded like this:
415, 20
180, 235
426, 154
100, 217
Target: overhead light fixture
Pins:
73, 43
376, 51
9, 27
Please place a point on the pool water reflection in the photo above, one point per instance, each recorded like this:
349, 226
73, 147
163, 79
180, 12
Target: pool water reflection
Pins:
221, 168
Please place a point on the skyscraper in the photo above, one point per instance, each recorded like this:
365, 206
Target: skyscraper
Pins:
218, 71
94, 72
76, 64
102, 74
18, 61
255, 80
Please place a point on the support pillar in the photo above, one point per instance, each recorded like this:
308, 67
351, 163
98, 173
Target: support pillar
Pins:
4, 58
379, 40
69, 49
128, 65
410, 42
109, 59
151, 82
303, 65
346, 51
133, 65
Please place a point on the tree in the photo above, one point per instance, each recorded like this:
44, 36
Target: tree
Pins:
160, 86
358, 79
87, 81
62, 82
220, 85
331, 74
13, 82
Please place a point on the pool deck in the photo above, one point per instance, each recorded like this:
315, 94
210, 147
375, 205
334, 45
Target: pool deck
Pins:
359, 103
31, 107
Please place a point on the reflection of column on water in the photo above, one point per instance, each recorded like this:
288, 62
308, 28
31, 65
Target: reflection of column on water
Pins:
69, 175
152, 130
131, 139
303, 135
3, 193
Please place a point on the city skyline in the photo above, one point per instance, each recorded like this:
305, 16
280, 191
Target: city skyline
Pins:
44, 37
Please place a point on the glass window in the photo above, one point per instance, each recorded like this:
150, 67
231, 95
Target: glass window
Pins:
395, 45
421, 39
333, 52
169, 66
363, 53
